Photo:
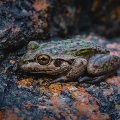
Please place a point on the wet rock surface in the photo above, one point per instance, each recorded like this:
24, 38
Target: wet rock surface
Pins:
26, 96
20, 22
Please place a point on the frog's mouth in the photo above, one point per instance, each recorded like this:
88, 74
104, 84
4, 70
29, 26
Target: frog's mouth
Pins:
45, 64
54, 67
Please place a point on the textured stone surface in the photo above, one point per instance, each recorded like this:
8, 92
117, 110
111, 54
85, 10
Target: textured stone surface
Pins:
26, 96
20, 22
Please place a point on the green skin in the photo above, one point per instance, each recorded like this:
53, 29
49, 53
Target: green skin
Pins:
70, 59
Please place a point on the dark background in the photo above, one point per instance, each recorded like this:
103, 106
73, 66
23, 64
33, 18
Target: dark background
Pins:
78, 16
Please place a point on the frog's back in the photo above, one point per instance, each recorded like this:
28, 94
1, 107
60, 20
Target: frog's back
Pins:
71, 46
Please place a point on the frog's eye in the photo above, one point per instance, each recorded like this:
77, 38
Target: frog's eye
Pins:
32, 45
43, 59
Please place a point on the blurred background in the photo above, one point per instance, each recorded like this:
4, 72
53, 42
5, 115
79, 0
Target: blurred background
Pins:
23, 20
78, 16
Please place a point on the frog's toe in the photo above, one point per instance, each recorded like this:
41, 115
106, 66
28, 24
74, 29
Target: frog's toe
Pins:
97, 79
84, 79
57, 80
92, 80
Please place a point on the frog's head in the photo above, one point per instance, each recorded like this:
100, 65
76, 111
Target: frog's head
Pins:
36, 62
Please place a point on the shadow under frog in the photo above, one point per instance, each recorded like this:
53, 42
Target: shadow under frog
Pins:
69, 59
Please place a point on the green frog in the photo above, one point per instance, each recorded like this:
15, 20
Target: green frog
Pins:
69, 59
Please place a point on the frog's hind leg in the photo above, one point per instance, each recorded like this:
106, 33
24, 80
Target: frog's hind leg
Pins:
100, 67
102, 64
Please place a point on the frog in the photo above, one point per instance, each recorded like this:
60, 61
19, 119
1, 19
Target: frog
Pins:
69, 59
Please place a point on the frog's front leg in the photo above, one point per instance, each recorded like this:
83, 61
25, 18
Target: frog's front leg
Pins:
100, 67
77, 68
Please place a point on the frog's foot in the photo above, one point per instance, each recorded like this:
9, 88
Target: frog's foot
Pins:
92, 80
57, 80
